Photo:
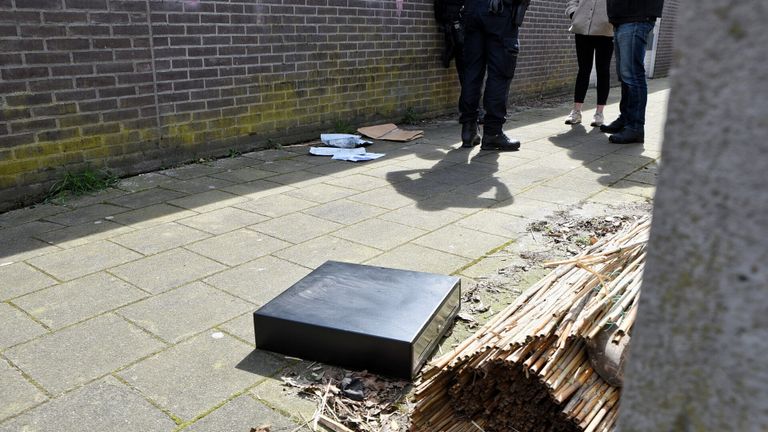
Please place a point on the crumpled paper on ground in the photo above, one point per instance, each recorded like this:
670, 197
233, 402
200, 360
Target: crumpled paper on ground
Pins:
347, 154
343, 140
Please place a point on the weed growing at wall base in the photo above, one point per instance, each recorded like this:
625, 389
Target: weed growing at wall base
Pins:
80, 183
410, 117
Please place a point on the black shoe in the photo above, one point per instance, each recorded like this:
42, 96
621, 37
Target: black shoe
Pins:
469, 136
499, 142
627, 136
615, 127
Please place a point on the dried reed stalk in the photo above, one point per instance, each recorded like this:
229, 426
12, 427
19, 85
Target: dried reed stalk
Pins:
527, 370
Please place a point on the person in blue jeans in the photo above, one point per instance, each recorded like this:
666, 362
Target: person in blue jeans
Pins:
633, 21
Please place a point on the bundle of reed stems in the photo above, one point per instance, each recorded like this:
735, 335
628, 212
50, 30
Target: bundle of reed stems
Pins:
528, 369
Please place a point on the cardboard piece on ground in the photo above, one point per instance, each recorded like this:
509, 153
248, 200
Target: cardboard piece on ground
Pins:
390, 132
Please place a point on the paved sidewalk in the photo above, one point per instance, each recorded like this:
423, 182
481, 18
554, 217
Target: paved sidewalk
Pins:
130, 310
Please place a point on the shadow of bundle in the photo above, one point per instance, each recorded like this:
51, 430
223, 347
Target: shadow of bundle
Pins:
545, 363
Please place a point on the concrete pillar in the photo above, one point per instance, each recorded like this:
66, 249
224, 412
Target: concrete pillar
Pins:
699, 355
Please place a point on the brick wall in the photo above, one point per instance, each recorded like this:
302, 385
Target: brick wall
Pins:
665, 47
134, 85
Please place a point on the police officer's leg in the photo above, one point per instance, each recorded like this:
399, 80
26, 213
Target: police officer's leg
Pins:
474, 70
502, 48
459, 58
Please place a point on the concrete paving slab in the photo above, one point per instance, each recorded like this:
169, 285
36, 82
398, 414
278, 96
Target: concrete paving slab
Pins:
576, 184
243, 175
85, 214
296, 227
612, 197
556, 196
358, 182
68, 358
388, 198
18, 279
29, 214
152, 215
635, 188
237, 247
106, 406
270, 155
462, 201
286, 165
491, 188
146, 198
167, 270
17, 327
345, 211
498, 223
19, 244
260, 280
527, 208
195, 376
78, 235
380, 234
197, 185
143, 182
647, 174
243, 413
315, 252
273, 391
160, 238
193, 308
77, 300
321, 193
18, 394
90, 258
187, 172
257, 189
207, 201
423, 185
297, 179
414, 217
419, 258
88, 199
223, 220
276, 205
241, 327
461, 241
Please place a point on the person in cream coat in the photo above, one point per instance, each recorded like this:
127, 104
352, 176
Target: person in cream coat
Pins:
594, 41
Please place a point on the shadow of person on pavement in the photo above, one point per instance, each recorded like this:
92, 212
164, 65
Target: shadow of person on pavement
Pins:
591, 148
458, 180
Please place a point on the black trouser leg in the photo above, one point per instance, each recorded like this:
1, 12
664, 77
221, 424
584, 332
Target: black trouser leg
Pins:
459, 60
501, 44
603, 54
585, 50
474, 69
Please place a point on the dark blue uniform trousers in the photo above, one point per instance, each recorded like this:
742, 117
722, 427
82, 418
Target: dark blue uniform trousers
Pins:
490, 42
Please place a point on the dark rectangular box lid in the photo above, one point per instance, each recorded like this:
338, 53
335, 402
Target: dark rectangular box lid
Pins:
363, 317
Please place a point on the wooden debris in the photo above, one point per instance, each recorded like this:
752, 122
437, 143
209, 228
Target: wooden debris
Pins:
333, 424
528, 369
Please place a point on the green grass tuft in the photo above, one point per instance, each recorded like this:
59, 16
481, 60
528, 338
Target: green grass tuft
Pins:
81, 183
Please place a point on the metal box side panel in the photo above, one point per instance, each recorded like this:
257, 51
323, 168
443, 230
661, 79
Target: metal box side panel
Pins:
343, 348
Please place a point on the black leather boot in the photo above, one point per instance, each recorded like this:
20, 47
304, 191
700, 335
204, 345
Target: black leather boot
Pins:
499, 142
614, 127
627, 136
469, 136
